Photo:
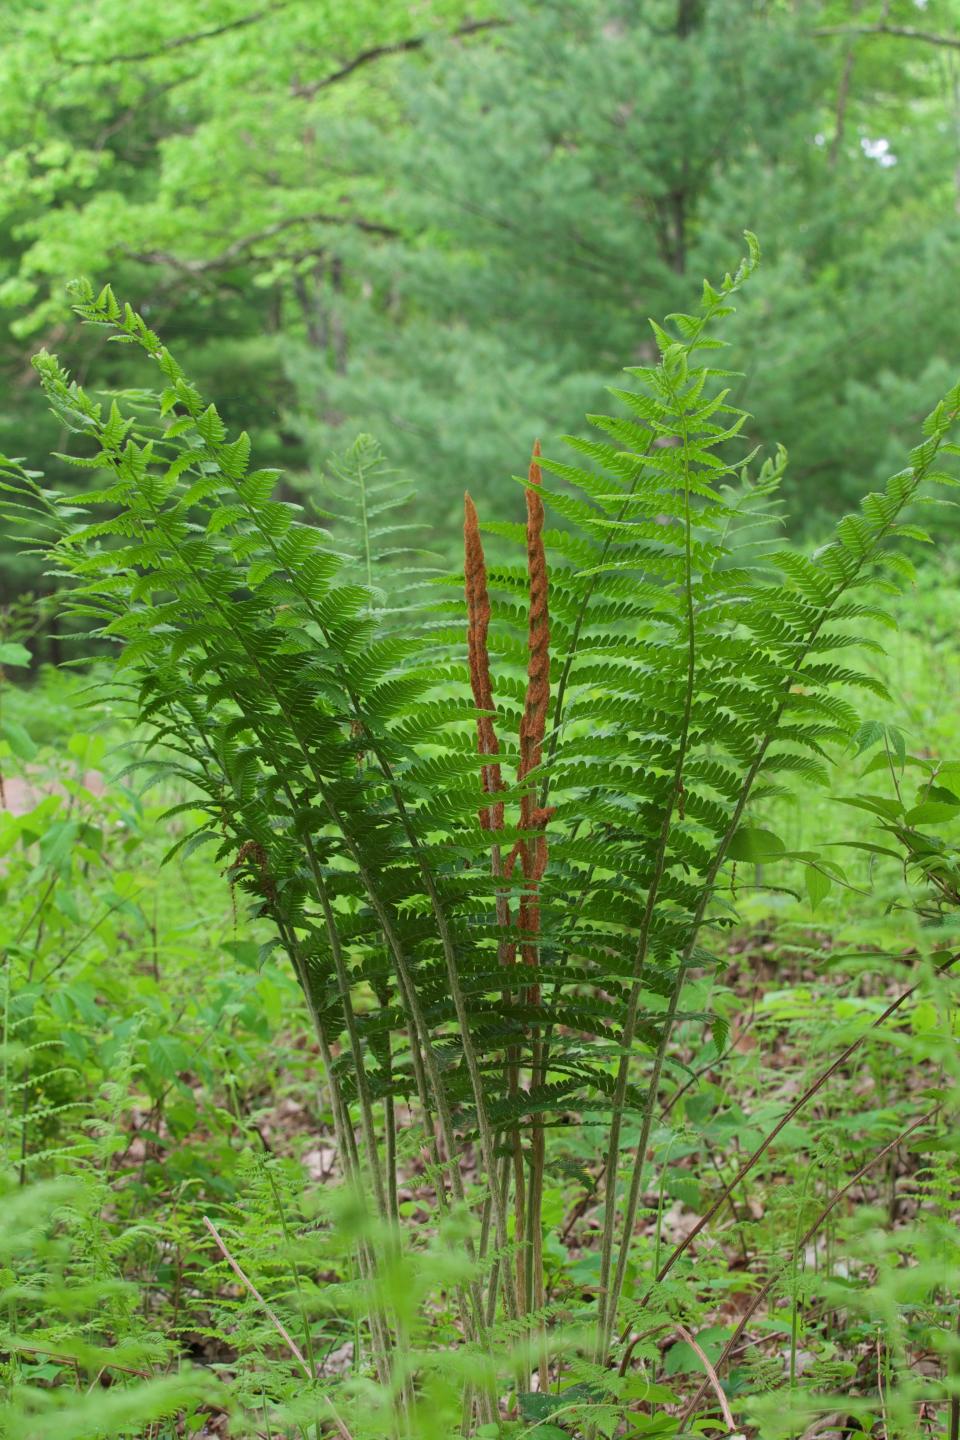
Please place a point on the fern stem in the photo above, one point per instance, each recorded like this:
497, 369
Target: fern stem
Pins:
390, 1136
609, 1293
302, 970
346, 1000
356, 1050
422, 1031
349, 1016
443, 927
533, 856
710, 878
365, 522
346, 1144
463, 1020
498, 1260
408, 990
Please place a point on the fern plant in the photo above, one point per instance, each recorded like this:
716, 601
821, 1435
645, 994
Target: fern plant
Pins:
366, 508
492, 867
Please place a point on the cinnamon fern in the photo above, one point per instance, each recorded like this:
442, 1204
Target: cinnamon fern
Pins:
496, 839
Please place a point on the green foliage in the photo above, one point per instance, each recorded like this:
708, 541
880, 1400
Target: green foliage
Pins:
445, 224
79, 1359
367, 508
328, 756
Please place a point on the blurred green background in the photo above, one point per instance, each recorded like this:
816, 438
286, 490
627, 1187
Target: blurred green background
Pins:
445, 223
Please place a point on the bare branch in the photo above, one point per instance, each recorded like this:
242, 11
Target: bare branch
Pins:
804, 1240
238, 248
275, 1320
136, 109
899, 32
808, 1094
178, 43
712, 1378
398, 47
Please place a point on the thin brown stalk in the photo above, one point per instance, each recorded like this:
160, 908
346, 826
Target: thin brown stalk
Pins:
272, 1315
17, 1347
712, 1377
276, 1322
478, 624
804, 1240
788, 1115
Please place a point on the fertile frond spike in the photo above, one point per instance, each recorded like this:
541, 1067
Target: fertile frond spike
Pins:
534, 474
478, 624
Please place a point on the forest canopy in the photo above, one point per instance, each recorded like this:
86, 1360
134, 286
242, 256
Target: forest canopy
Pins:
446, 224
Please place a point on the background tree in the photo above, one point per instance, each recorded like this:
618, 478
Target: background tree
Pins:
442, 224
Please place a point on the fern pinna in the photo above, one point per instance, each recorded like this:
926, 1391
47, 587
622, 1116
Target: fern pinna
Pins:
391, 803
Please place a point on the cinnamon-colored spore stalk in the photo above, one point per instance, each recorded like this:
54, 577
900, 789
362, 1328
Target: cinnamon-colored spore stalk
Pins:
478, 623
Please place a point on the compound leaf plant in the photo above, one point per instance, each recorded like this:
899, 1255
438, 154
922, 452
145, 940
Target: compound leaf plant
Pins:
493, 866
